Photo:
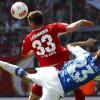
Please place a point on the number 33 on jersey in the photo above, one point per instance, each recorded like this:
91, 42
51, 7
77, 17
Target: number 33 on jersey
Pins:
51, 47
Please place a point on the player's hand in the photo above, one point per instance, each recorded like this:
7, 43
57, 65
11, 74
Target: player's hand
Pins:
87, 23
91, 42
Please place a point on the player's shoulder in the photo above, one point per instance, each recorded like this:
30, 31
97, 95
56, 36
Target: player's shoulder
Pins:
52, 24
27, 36
56, 24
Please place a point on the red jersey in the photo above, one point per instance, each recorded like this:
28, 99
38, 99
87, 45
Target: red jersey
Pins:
46, 44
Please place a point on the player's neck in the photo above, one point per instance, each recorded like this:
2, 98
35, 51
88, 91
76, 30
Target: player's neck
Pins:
37, 27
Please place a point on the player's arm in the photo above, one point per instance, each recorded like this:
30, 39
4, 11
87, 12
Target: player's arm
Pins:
29, 54
76, 25
26, 47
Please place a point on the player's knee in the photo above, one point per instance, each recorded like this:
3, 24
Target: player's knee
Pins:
33, 97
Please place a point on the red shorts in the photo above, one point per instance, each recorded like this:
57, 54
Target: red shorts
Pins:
36, 89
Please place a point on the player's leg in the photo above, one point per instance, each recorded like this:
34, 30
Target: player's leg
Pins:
33, 97
50, 94
36, 92
16, 70
79, 95
13, 69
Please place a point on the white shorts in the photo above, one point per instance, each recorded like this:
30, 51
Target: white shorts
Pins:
50, 95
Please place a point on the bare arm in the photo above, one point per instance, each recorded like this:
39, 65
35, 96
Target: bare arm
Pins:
76, 25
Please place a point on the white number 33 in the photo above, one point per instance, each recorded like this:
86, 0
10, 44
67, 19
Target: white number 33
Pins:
42, 50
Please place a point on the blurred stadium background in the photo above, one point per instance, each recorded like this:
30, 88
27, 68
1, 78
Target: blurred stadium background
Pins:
12, 33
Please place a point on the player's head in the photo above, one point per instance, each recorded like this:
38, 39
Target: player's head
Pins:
35, 19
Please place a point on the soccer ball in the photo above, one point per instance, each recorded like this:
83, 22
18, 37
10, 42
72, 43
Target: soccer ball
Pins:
19, 10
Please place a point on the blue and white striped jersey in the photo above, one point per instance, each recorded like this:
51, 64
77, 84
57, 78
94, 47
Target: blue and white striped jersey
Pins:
79, 70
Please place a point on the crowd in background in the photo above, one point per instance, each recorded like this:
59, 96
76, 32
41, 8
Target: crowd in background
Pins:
13, 31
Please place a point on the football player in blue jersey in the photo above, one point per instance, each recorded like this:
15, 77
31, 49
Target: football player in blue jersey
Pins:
76, 72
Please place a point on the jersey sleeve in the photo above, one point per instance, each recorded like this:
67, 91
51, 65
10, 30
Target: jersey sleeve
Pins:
78, 51
26, 46
60, 27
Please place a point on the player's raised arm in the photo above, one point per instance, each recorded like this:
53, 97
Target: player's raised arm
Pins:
76, 25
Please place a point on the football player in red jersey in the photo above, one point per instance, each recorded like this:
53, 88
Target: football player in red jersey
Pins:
44, 43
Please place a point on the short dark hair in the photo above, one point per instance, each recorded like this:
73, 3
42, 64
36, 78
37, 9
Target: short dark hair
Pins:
36, 17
